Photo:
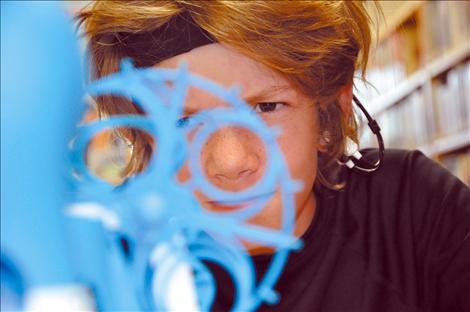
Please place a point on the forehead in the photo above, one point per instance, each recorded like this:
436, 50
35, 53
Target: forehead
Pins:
228, 67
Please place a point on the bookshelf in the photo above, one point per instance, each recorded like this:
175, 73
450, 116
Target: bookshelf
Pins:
420, 73
419, 79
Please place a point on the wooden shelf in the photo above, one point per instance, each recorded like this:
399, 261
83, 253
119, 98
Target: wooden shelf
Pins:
419, 78
400, 11
421, 68
448, 144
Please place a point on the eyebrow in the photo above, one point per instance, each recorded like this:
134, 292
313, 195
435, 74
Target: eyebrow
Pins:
266, 94
258, 96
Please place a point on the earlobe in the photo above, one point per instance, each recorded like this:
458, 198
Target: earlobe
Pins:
345, 97
323, 142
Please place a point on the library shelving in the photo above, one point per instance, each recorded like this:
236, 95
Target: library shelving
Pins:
419, 81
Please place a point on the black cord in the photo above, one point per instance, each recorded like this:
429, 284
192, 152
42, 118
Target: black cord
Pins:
374, 126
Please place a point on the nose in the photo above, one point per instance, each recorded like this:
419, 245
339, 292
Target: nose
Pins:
232, 158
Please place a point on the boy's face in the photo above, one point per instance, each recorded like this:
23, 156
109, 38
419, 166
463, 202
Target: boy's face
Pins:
234, 159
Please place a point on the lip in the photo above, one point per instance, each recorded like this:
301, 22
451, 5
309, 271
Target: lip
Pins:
225, 207
220, 206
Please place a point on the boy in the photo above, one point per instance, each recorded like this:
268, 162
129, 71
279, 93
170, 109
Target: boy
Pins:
394, 240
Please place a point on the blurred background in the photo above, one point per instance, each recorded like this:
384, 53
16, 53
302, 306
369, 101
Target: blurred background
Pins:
419, 75
418, 85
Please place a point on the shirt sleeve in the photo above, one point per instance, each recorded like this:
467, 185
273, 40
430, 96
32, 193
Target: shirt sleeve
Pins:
441, 213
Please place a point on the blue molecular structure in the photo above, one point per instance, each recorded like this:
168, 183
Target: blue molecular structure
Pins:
155, 211
142, 245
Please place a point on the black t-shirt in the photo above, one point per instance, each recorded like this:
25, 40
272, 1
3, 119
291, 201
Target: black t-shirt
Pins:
394, 240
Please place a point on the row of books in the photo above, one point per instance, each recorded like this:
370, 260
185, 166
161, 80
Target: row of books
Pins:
404, 125
429, 113
435, 28
446, 24
385, 70
451, 101
433, 113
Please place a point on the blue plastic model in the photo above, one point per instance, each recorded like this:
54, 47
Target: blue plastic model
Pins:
144, 244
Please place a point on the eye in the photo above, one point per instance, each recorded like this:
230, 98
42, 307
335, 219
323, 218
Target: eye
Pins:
268, 107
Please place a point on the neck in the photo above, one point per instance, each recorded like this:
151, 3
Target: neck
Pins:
303, 218
305, 215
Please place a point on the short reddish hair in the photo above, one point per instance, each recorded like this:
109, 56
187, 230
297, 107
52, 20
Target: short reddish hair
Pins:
317, 45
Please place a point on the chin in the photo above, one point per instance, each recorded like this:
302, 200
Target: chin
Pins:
254, 249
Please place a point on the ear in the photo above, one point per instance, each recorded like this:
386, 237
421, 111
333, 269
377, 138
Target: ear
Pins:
345, 100
323, 141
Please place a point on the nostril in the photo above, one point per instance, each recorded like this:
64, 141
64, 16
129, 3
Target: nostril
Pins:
236, 171
241, 175
245, 173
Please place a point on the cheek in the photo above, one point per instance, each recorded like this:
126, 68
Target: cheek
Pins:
299, 145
